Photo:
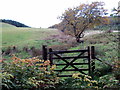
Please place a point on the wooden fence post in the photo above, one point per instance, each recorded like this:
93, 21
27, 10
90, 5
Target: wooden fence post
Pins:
89, 58
50, 56
44, 52
93, 57
92, 52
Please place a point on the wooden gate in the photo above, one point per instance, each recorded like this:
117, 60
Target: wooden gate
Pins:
72, 61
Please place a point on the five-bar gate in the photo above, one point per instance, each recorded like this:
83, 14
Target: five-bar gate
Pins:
73, 61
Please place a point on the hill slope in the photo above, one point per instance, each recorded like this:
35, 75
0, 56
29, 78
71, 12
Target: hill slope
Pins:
6, 25
12, 22
21, 37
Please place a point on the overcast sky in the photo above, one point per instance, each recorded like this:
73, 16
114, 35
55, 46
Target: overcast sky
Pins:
41, 13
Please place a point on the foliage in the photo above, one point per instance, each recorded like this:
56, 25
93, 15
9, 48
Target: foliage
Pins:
108, 81
6, 79
106, 49
103, 70
76, 20
115, 11
116, 69
78, 81
106, 45
28, 73
115, 18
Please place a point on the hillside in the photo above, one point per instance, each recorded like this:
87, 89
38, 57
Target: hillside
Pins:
12, 22
36, 37
6, 25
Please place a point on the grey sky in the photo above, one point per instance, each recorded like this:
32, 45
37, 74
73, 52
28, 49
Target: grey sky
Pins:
41, 13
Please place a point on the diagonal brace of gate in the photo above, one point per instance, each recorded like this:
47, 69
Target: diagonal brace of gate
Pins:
71, 63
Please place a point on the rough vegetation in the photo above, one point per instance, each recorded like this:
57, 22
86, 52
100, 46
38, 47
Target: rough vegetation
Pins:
23, 67
106, 45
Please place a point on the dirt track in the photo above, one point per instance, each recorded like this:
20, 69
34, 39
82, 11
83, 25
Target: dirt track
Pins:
92, 32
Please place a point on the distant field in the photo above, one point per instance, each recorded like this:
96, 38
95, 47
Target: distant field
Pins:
12, 35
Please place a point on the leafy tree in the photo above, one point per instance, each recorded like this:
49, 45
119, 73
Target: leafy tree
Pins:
115, 18
76, 20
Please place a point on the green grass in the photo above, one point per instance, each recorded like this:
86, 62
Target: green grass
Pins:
25, 36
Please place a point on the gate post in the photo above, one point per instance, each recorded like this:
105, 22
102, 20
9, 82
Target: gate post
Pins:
93, 57
44, 52
89, 58
50, 56
92, 51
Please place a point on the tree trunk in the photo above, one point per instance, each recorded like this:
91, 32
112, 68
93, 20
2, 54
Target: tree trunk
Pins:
78, 40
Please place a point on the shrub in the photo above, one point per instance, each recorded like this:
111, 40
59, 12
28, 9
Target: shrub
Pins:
60, 47
28, 74
116, 70
108, 81
103, 71
77, 81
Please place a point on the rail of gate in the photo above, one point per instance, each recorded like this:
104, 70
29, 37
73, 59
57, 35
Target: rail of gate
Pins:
88, 54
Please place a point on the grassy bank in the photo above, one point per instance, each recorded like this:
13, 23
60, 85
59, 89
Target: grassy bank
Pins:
21, 37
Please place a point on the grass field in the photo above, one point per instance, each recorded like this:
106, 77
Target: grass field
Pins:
32, 37
37, 37
20, 37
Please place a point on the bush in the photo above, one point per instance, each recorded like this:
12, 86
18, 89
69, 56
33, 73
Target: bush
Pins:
108, 81
103, 71
77, 81
116, 70
28, 74
60, 47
